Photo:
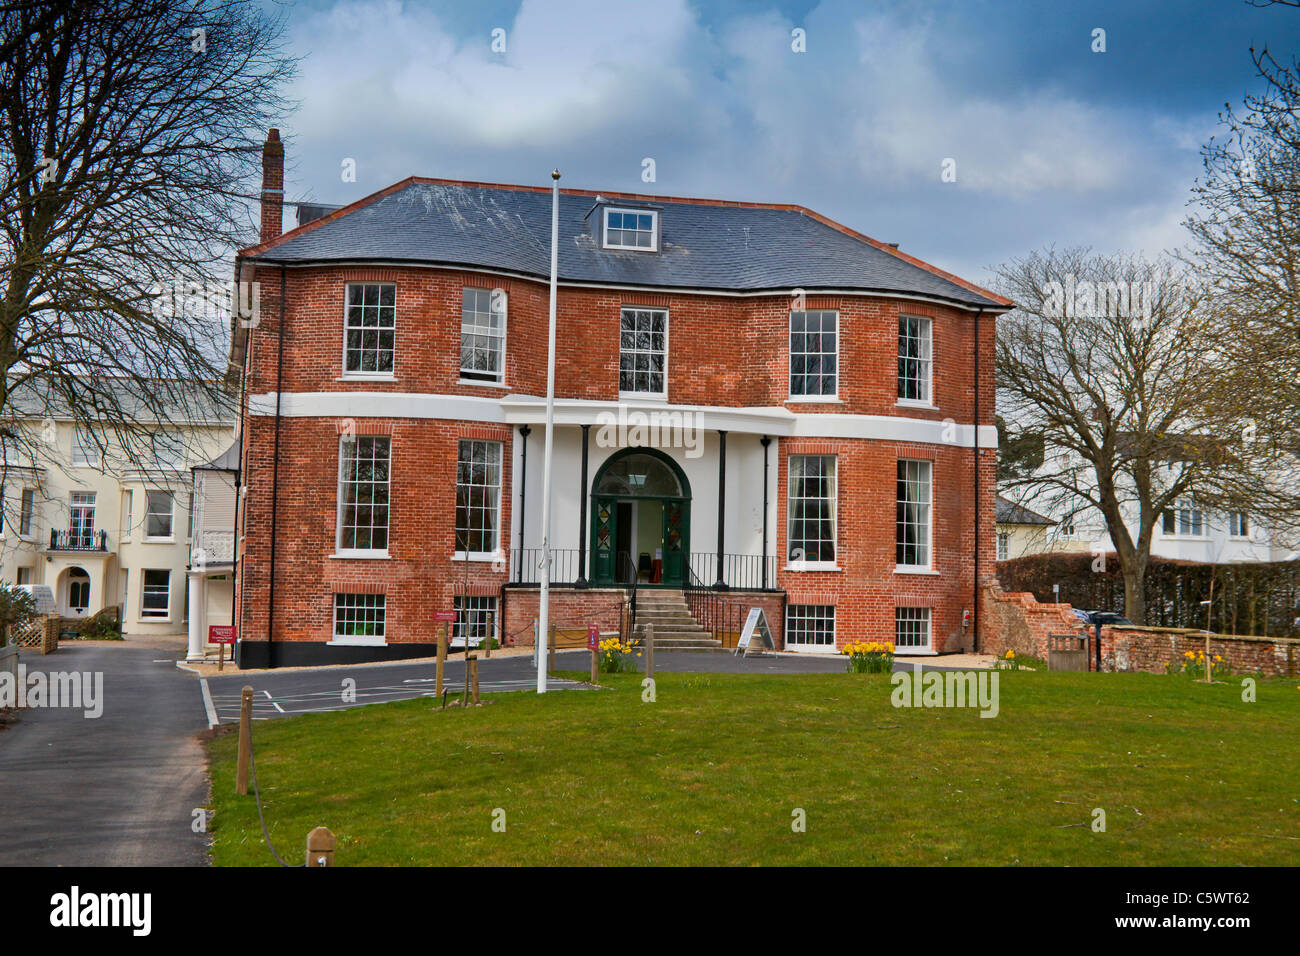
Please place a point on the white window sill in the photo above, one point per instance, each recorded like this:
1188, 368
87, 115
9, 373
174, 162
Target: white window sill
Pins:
812, 566
367, 377
643, 396
356, 642
913, 652
486, 557
345, 555
912, 403
480, 383
814, 400
1184, 537
903, 569
154, 620
171, 540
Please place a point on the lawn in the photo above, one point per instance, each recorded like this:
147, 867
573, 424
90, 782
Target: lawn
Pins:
712, 772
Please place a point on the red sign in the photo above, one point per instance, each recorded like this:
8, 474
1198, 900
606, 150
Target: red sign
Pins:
593, 637
448, 616
221, 633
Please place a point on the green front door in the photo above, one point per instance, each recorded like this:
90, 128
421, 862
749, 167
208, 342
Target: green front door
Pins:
603, 558
676, 519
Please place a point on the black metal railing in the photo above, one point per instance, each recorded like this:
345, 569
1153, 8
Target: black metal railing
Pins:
526, 565
628, 577
710, 608
75, 540
744, 572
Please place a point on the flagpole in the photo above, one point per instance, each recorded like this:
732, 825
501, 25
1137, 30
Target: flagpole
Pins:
543, 613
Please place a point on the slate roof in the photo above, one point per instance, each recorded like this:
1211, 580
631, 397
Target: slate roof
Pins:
1008, 512
705, 244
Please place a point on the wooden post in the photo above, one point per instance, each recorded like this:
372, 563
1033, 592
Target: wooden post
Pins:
595, 667
245, 740
487, 644
320, 847
221, 657
473, 678
550, 669
1209, 678
442, 658
649, 650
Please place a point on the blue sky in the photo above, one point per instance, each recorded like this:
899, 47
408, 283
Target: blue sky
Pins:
1053, 143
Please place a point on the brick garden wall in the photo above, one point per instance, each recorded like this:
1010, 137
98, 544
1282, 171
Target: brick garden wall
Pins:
1153, 648
1016, 621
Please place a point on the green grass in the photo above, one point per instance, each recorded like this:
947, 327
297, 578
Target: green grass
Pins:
1188, 774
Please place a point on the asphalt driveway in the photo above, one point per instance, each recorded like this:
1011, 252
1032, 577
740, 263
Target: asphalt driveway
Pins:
117, 790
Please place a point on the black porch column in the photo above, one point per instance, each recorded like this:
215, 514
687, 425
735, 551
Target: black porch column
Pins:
582, 516
721, 583
524, 431
764, 441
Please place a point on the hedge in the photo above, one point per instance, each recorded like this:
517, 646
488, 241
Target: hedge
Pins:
1257, 598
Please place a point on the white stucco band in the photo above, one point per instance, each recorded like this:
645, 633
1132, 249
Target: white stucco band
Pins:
530, 410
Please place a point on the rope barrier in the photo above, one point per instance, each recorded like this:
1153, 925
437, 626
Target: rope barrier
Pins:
252, 766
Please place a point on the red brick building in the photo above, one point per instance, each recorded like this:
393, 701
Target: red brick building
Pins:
752, 402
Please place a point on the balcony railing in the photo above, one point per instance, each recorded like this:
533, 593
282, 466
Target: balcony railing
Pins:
743, 572
740, 572
75, 540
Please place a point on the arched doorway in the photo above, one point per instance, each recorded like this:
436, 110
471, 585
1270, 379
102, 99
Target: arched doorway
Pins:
77, 595
641, 510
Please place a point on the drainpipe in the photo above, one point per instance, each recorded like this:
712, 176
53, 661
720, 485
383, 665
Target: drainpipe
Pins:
721, 584
975, 612
582, 516
275, 475
765, 441
524, 431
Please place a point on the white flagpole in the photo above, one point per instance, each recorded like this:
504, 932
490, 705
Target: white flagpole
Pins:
543, 614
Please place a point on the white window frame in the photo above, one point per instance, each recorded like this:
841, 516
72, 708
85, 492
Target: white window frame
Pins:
819, 564
128, 514
360, 375
928, 362
26, 519
144, 587
360, 640
910, 614
479, 606
790, 354
636, 351
1236, 520
90, 501
85, 454
806, 613
495, 553
339, 550
1004, 545
1185, 507
928, 504
500, 380
169, 538
654, 228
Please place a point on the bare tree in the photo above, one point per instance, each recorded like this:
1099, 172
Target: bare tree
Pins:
1246, 224
1106, 361
130, 138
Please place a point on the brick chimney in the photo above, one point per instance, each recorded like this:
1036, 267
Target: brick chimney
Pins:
272, 186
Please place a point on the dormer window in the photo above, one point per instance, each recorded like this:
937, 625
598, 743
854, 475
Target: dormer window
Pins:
632, 229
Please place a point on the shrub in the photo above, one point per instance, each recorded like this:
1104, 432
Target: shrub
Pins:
870, 657
16, 608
